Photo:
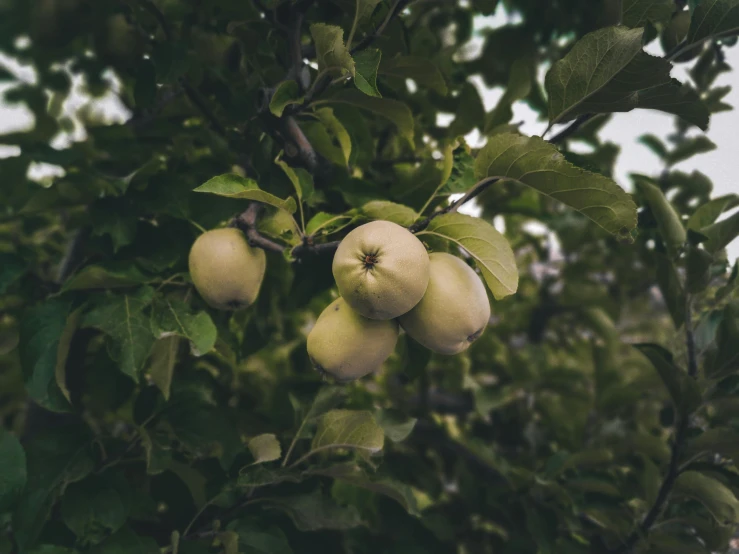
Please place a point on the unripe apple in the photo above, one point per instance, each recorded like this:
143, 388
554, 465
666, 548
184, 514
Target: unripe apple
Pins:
381, 270
455, 309
348, 346
226, 271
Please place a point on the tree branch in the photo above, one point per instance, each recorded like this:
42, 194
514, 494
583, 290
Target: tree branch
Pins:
247, 222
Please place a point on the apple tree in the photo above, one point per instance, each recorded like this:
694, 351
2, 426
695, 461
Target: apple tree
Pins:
472, 385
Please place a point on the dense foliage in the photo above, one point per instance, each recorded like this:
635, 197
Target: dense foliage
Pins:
599, 411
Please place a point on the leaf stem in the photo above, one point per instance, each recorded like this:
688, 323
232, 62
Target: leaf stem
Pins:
293, 443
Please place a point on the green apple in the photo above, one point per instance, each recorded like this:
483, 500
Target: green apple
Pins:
226, 271
348, 346
381, 270
455, 309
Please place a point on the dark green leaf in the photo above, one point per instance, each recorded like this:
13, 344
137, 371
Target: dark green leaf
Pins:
708, 213
122, 318
41, 330
671, 287
96, 506
106, 276
171, 317
54, 460
311, 512
12, 268
689, 147
541, 166
422, 70
126, 541
12, 470
260, 540
721, 234
714, 18
669, 222
367, 63
636, 13
670, 374
620, 79
395, 425
716, 497
396, 112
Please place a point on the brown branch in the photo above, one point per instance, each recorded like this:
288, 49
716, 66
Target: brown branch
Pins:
299, 145
247, 222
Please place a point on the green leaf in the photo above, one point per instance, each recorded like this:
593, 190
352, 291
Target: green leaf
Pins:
162, 363
324, 224
670, 225
54, 460
260, 540
716, 497
690, 147
12, 470
126, 541
490, 249
314, 511
607, 71
96, 507
539, 165
389, 211
41, 331
636, 13
171, 317
106, 276
395, 425
265, 448
65, 341
231, 185
671, 287
367, 63
519, 87
122, 318
470, 112
712, 19
110, 219
721, 234
670, 374
655, 144
301, 180
710, 211
260, 476
12, 267
329, 137
697, 269
352, 474
422, 70
331, 51
396, 112
356, 430
286, 94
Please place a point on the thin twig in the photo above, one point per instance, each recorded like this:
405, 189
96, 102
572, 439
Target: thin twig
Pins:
572, 128
673, 470
476, 190
202, 105
398, 7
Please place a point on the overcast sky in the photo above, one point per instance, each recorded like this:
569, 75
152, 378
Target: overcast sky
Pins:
623, 129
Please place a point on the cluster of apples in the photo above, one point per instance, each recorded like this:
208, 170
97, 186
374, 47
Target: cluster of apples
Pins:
388, 280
